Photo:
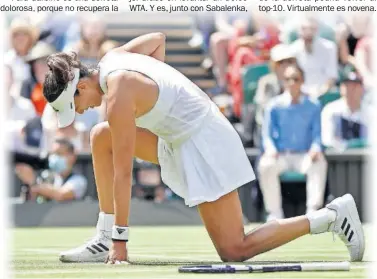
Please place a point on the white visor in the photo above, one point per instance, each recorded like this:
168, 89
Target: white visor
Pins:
64, 105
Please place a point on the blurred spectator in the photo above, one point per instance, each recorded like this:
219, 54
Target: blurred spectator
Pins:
55, 28
317, 57
32, 88
250, 49
77, 135
363, 61
228, 26
20, 112
348, 34
22, 37
93, 40
344, 121
67, 185
20, 109
21, 120
203, 28
271, 85
8, 79
292, 145
148, 182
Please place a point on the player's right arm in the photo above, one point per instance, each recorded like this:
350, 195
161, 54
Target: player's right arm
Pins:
152, 44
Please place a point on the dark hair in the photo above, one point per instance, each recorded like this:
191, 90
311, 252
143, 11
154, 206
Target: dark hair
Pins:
60, 73
67, 143
298, 68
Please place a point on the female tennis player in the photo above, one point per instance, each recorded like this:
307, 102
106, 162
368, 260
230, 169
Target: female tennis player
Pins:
155, 113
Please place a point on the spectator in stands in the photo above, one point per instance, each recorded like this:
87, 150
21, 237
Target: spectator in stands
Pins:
67, 184
22, 37
271, 85
363, 61
344, 121
317, 57
20, 115
93, 40
148, 184
250, 49
348, 34
228, 26
55, 29
203, 28
78, 135
292, 142
20, 109
32, 88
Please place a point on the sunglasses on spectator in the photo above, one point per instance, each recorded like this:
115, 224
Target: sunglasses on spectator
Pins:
295, 79
285, 61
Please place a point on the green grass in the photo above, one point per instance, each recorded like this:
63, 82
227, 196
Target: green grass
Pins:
35, 254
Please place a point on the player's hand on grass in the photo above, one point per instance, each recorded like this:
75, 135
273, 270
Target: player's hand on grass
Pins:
118, 253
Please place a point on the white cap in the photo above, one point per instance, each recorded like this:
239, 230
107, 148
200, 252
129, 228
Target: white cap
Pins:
64, 105
281, 52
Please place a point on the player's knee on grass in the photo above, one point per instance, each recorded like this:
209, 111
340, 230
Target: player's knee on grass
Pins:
232, 253
100, 136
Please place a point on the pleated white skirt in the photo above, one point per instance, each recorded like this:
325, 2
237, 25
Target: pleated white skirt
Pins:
208, 165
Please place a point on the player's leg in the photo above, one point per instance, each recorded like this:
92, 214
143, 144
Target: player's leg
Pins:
223, 221
145, 149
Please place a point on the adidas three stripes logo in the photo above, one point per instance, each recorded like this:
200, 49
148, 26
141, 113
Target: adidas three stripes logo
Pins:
95, 248
346, 228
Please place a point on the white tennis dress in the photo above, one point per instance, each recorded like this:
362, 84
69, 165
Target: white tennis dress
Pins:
200, 154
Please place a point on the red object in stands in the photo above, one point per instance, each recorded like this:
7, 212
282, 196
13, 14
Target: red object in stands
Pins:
242, 56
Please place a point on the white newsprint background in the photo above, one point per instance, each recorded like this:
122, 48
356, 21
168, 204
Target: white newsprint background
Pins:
328, 9
172, 6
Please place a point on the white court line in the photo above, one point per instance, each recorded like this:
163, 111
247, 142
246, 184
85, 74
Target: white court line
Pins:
104, 270
109, 270
190, 251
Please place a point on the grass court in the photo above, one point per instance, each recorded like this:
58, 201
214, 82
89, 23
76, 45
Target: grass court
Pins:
159, 251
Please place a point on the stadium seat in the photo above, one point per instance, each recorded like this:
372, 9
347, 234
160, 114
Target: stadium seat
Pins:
292, 176
329, 97
357, 143
250, 78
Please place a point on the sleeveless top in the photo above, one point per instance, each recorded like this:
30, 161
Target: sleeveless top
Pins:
181, 106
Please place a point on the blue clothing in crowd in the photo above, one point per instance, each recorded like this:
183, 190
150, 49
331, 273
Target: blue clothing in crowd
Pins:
292, 127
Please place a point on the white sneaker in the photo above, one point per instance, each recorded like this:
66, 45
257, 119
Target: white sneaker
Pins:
347, 226
96, 250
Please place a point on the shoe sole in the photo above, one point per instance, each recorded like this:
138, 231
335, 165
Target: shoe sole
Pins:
96, 259
354, 216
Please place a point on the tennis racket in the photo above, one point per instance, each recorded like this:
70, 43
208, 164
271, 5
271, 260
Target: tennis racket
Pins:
222, 268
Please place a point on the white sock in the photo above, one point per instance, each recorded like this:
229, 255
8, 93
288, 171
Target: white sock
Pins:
105, 224
320, 220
